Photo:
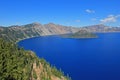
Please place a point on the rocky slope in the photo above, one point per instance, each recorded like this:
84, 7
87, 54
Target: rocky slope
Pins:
14, 33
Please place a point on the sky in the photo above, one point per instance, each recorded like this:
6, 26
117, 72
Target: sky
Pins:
76, 13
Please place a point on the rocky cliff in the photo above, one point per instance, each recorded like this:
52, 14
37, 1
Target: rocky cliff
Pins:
13, 33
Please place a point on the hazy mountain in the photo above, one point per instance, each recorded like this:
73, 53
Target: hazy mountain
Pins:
102, 28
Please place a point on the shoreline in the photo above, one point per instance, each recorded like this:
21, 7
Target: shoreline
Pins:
37, 36
24, 39
30, 37
66, 37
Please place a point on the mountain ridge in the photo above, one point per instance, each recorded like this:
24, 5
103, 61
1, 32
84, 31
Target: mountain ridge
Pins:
101, 28
16, 32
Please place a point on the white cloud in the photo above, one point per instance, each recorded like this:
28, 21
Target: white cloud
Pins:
77, 21
110, 19
89, 11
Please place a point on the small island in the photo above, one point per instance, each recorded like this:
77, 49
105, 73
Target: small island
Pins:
81, 34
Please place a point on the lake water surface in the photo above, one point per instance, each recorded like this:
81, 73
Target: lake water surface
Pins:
82, 59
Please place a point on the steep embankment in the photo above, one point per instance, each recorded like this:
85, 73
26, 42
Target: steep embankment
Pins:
18, 64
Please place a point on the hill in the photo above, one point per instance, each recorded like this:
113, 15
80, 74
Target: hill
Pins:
81, 34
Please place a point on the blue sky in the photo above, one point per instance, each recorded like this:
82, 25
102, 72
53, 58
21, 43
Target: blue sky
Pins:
65, 12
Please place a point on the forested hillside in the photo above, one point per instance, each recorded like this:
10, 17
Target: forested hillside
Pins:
18, 64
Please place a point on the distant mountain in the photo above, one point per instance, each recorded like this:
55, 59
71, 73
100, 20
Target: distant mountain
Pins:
101, 28
50, 29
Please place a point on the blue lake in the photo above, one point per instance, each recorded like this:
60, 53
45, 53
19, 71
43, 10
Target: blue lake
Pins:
82, 59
